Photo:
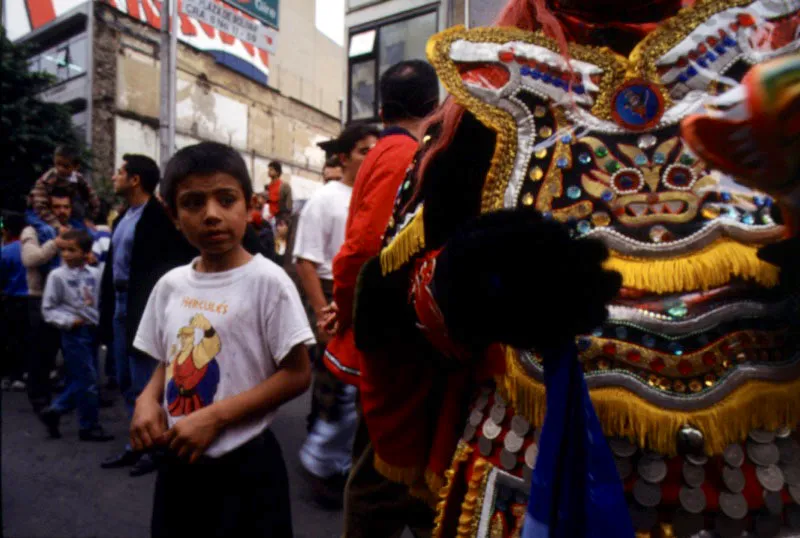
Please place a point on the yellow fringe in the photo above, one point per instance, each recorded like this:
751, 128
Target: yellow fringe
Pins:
434, 482
468, 519
461, 455
755, 404
404, 475
409, 242
714, 266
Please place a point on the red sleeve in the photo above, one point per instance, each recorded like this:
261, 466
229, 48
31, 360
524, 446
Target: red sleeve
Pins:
369, 215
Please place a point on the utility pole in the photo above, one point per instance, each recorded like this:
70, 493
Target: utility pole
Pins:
167, 57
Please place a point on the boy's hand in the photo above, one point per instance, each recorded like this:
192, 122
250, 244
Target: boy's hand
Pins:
329, 322
190, 437
148, 425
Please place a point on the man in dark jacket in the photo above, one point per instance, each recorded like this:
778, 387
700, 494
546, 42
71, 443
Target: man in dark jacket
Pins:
145, 244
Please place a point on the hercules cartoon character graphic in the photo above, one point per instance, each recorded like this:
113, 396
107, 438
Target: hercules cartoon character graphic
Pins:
193, 372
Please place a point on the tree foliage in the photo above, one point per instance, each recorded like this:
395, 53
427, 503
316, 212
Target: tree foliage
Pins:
30, 128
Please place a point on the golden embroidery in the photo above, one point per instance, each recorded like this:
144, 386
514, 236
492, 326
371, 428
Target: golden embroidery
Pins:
460, 456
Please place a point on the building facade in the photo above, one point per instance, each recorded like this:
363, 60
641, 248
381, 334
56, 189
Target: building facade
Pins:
105, 57
383, 32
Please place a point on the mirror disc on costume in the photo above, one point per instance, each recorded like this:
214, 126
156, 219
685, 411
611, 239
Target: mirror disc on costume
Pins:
637, 105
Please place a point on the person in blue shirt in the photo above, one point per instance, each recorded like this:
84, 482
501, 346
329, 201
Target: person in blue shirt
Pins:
14, 285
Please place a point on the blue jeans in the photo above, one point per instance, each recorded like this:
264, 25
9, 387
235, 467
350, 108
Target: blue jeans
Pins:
133, 371
79, 347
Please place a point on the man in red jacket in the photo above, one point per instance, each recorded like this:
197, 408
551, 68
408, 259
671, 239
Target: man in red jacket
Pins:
409, 92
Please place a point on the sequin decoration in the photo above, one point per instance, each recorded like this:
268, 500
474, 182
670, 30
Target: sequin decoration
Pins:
539, 111
598, 332
659, 158
601, 219
527, 199
710, 212
574, 192
725, 196
641, 159
749, 219
731, 213
584, 227
646, 141
637, 105
675, 348
621, 332
562, 162
536, 173
601, 151
607, 196
541, 153
677, 309
545, 132
566, 139
659, 234
612, 166
584, 158
687, 159
648, 341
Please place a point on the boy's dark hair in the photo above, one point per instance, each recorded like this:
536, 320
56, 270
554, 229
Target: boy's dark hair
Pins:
275, 165
348, 138
60, 192
68, 152
144, 167
14, 222
409, 90
81, 237
204, 159
333, 162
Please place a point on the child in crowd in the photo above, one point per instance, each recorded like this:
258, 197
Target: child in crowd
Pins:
70, 304
229, 332
14, 301
65, 176
101, 235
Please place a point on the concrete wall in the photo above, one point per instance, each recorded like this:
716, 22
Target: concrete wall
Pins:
213, 103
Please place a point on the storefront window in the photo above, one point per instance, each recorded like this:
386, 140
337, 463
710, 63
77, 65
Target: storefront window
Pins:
373, 50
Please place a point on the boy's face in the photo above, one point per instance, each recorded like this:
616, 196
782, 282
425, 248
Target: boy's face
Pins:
332, 173
61, 208
212, 212
282, 229
64, 166
272, 173
72, 254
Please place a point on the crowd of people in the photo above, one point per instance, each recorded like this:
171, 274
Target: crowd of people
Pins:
467, 374
165, 285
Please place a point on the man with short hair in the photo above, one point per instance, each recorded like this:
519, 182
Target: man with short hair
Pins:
279, 194
39, 254
145, 244
375, 506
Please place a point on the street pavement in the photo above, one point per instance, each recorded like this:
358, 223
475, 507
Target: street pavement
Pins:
55, 487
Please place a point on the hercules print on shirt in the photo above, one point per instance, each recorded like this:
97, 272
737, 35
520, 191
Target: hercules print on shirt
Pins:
193, 372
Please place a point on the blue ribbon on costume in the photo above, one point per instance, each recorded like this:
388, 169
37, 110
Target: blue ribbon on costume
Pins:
575, 488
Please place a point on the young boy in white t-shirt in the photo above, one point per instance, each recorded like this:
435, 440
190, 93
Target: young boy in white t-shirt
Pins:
230, 333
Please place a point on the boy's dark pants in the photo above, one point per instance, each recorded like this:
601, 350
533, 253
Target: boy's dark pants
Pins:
242, 493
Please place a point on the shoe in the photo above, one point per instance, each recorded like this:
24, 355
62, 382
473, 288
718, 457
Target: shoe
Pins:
18, 386
125, 458
146, 464
51, 417
96, 434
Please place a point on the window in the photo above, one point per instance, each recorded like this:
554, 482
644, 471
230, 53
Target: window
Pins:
65, 61
355, 4
372, 51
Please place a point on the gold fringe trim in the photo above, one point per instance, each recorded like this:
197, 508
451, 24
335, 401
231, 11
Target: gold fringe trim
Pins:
461, 455
434, 482
406, 244
755, 404
404, 475
468, 519
713, 266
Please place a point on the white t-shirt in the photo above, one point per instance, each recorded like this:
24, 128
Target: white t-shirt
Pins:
255, 318
320, 231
